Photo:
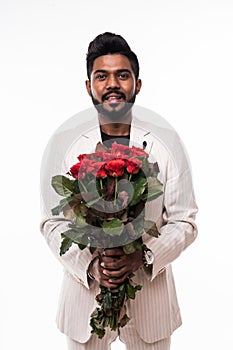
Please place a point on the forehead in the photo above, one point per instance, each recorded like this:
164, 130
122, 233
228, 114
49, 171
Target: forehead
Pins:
111, 62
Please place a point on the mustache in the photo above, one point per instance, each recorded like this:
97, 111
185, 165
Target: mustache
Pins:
116, 92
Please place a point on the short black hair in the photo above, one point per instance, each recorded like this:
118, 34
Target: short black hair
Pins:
110, 43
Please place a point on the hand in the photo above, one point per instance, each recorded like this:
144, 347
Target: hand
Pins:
113, 266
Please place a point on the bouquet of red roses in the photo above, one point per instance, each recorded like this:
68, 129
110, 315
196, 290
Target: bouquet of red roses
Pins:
105, 203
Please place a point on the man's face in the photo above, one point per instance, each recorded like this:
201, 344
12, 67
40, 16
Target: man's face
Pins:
112, 85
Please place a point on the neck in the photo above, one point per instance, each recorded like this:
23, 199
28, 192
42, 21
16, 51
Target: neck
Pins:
115, 128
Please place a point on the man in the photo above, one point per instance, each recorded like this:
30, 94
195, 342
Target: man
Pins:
113, 83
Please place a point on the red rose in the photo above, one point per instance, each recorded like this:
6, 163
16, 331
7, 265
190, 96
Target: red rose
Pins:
82, 156
82, 168
120, 151
74, 170
136, 151
102, 156
99, 170
133, 165
101, 173
87, 165
115, 167
108, 156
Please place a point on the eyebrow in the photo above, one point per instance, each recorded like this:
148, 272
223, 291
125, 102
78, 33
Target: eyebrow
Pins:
118, 71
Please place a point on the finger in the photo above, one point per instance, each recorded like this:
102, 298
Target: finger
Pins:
105, 281
113, 252
112, 264
113, 283
109, 285
118, 280
115, 274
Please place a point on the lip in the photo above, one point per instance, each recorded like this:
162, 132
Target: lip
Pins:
114, 97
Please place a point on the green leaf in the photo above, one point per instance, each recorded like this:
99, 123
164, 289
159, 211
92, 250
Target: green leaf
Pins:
129, 248
62, 185
107, 301
80, 221
126, 188
81, 246
151, 228
139, 188
57, 210
76, 188
90, 203
97, 323
92, 249
145, 164
100, 333
113, 227
74, 235
138, 225
138, 244
138, 287
154, 189
130, 291
63, 202
121, 290
65, 245
91, 186
124, 321
113, 323
130, 229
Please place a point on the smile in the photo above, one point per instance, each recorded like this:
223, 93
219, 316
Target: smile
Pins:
113, 97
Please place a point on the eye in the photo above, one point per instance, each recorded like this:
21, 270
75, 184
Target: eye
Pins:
124, 76
100, 76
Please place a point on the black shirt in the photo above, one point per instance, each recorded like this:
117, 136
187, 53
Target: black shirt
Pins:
109, 139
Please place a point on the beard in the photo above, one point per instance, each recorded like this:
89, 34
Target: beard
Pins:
115, 112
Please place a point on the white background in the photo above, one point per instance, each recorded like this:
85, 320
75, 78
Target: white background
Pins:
185, 49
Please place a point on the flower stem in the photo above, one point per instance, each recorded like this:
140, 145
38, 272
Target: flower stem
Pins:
101, 183
116, 189
84, 187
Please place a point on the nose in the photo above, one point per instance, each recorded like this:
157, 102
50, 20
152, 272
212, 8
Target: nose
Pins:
112, 82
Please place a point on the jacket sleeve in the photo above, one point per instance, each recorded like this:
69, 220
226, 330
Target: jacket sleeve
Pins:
57, 159
75, 261
177, 221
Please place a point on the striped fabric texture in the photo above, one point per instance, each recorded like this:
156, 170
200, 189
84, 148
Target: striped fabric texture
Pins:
155, 312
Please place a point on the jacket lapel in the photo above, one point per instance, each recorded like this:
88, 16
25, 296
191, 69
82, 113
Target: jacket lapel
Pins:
139, 136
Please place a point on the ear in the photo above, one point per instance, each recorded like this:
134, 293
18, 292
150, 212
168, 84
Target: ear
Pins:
88, 87
138, 86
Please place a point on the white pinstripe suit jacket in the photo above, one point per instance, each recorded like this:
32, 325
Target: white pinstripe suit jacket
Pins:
155, 311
